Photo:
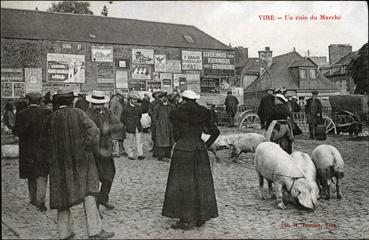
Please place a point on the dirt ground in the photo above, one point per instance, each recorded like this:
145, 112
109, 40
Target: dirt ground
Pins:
138, 193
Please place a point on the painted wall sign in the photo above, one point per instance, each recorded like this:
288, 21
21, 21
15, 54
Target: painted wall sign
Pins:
191, 60
160, 62
174, 66
142, 56
218, 63
141, 72
33, 79
121, 79
102, 54
12, 75
65, 68
105, 72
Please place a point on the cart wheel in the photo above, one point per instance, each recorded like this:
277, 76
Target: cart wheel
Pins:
329, 125
364, 132
250, 120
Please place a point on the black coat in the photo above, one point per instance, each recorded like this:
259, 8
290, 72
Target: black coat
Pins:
231, 103
145, 104
131, 118
190, 189
278, 112
264, 110
82, 104
28, 125
312, 109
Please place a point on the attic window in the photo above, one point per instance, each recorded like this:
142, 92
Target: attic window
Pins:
189, 39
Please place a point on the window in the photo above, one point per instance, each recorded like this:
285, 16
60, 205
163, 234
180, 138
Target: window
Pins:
302, 73
189, 38
312, 73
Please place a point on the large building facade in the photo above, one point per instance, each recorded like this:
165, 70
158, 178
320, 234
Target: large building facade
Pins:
47, 51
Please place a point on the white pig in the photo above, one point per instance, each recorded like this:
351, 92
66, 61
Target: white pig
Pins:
277, 166
307, 166
329, 164
222, 142
246, 143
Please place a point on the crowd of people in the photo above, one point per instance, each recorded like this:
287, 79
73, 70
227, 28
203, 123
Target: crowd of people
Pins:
74, 143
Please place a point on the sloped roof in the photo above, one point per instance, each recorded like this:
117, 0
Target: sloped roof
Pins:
28, 24
281, 76
345, 60
302, 62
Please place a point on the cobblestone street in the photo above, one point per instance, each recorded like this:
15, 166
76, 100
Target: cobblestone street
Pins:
138, 193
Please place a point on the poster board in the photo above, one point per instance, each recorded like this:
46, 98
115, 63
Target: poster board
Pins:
102, 54
121, 79
65, 68
33, 79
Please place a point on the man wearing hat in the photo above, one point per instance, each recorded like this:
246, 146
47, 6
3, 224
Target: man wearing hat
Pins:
295, 107
109, 125
81, 102
231, 103
152, 127
164, 133
32, 164
69, 138
131, 118
313, 110
116, 108
266, 104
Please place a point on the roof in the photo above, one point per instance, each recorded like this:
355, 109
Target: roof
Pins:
281, 75
345, 60
28, 24
302, 62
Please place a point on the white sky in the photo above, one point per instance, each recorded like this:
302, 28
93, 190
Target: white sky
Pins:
238, 23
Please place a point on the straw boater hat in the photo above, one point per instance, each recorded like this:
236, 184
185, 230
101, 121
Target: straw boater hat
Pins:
97, 97
281, 97
190, 95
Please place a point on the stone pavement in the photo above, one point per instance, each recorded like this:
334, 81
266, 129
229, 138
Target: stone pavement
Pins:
138, 193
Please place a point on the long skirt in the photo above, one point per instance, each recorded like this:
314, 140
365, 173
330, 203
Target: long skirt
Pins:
190, 192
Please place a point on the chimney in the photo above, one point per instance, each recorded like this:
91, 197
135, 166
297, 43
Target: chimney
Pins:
241, 55
337, 51
266, 56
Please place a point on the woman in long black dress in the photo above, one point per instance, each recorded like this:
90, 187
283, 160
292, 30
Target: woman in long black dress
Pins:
190, 192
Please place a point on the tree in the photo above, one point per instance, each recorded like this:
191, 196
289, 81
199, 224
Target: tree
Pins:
359, 71
104, 11
71, 7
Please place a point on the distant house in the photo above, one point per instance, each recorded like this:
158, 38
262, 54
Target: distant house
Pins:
298, 74
338, 73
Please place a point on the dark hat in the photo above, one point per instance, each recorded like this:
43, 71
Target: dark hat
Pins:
63, 96
172, 95
315, 92
229, 92
156, 94
277, 91
162, 94
34, 96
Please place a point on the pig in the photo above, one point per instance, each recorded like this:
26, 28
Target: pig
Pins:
278, 167
329, 164
10, 151
246, 143
222, 142
304, 162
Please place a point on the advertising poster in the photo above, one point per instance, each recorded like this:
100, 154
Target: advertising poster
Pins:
191, 60
121, 79
174, 66
141, 72
160, 63
156, 76
137, 85
53, 87
167, 85
105, 73
102, 54
178, 79
142, 56
33, 79
6, 89
193, 82
225, 84
210, 85
19, 89
122, 64
11, 74
65, 68
153, 86
221, 63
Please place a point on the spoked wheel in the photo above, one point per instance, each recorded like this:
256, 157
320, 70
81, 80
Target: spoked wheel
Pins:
330, 127
250, 120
